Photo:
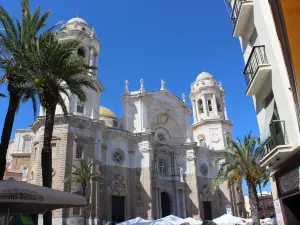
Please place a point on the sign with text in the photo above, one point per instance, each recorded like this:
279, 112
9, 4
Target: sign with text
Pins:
278, 212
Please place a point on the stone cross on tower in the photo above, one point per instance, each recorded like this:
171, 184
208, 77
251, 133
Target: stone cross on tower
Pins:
142, 88
162, 85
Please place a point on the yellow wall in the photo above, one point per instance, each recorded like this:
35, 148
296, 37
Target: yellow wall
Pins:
291, 13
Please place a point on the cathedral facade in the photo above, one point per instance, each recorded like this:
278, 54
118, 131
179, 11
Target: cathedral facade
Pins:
155, 162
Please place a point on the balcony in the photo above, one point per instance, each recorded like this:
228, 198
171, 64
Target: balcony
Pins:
256, 70
240, 16
275, 149
165, 177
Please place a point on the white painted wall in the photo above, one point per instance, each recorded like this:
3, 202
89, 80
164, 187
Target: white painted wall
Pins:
267, 35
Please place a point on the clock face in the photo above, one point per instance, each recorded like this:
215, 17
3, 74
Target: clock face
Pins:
215, 138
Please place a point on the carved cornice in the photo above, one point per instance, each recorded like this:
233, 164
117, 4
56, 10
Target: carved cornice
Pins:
206, 121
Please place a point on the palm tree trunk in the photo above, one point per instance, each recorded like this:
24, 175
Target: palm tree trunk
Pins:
84, 207
264, 213
254, 202
14, 101
47, 156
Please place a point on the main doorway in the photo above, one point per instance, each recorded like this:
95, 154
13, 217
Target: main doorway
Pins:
165, 204
118, 208
291, 209
207, 210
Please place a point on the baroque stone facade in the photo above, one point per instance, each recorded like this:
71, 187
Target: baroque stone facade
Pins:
155, 163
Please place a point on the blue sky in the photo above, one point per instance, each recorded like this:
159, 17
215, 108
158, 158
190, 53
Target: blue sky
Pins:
173, 40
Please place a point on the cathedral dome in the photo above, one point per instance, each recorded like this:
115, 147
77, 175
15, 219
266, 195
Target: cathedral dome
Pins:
204, 76
78, 20
107, 112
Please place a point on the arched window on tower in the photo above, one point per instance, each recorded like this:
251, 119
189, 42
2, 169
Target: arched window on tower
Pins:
200, 106
80, 106
209, 105
81, 52
219, 105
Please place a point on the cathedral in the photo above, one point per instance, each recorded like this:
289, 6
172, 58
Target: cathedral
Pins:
155, 162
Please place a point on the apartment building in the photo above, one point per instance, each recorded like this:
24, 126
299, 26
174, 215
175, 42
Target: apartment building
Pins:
266, 204
269, 34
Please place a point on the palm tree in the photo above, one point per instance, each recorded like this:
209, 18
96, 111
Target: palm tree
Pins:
240, 161
56, 71
14, 39
83, 174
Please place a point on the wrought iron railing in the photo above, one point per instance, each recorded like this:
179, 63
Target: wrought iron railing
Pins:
236, 11
256, 58
277, 137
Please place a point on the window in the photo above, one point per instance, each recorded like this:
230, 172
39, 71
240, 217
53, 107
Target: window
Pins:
219, 105
81, 52
79, 151
200, 106
26, 145
209, 105
161, 137
80, 106
162, 166
118, 156
204, 169
115, 123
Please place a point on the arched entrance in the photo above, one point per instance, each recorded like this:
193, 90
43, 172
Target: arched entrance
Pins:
165, 204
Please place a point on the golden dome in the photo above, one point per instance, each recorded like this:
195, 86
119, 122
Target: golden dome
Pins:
107, 112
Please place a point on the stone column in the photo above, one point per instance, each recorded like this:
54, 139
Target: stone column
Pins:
205, 106
192, 185
159, 203
183, 204
195, 110
214, 104
177, 203
145, 176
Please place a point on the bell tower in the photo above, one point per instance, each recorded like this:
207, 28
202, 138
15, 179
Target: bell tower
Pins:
211, 127
89, 48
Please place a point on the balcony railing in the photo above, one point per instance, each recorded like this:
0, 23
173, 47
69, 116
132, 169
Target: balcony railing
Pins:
166, 177
239, 15
256, 69
236, 11
276, 138
256, 58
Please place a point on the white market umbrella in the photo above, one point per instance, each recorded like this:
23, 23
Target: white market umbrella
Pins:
168, 220
23, 198
136, 221
266, 221
228, 219
192, 221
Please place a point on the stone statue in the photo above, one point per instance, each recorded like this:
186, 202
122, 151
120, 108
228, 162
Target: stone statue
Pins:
206, 193
118, 186
126, 86
181, 173
162, 85
142, 88
183, 97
